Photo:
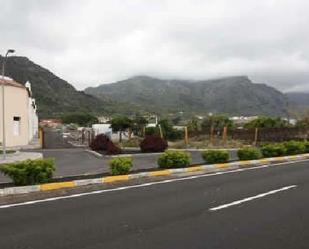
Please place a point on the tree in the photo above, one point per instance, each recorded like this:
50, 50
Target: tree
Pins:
176, 120
169, 132
121, 124
139, 124
218, 122
193, 125
303, 123
82, 119
267, 122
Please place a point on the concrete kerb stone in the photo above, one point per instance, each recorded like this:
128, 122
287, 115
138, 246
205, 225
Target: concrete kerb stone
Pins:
166, 172
96, 154
88, 181
19, 190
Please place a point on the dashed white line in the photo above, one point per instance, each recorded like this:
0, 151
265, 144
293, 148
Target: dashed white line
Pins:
234, 203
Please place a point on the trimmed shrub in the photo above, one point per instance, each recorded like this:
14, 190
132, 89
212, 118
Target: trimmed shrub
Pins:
249, 153
174, 159
306, 147
294, 147
99, 143
7, 151
112, 149
153, 143
121, 165
29, 172
216, 156
103, 143
273, 150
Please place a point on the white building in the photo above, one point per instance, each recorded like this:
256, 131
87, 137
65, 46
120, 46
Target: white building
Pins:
20, 114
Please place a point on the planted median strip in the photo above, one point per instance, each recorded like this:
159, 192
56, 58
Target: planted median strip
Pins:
38, 173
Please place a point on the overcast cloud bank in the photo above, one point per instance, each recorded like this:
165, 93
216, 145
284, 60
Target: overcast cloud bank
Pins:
93, 42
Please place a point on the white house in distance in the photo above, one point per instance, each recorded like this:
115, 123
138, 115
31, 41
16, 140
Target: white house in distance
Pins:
21, 120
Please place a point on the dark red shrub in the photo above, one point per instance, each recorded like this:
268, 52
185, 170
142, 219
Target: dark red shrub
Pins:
112, 149
153, 143
99, 143
103, 143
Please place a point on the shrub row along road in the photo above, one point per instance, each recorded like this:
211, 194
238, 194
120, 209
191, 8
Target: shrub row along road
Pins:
256, 208
78, 161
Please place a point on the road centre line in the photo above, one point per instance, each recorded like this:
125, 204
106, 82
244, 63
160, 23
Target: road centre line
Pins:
234, 203
144, 185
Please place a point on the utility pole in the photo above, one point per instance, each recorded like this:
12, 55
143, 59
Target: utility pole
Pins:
3, 103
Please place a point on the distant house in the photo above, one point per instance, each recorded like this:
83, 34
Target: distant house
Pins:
50, 123
21, 120
103, 119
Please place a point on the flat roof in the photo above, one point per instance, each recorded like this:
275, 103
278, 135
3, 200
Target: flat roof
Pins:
10, 82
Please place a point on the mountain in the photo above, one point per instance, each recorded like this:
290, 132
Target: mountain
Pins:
231, 95
55, 96
298, 99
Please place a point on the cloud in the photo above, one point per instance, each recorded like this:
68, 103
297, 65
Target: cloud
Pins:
93, 42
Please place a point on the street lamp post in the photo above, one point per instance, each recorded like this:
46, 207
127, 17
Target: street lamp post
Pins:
3, 104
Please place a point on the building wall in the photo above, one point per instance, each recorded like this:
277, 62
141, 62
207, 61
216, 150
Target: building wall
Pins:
33, 119
16, 105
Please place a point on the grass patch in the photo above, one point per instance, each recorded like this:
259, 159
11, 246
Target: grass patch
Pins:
7, 151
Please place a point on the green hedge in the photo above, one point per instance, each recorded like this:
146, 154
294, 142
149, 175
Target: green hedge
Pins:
294, 147
174, 159
249, 153
306, 147
8, 151
273, 150
121, 165
29, 172
216, 156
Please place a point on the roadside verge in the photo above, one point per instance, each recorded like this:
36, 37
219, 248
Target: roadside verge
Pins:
167, 172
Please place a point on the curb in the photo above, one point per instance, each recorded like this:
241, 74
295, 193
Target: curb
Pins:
96, 154
109, 179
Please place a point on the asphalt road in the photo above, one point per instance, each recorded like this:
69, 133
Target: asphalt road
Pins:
267, 208
77, 161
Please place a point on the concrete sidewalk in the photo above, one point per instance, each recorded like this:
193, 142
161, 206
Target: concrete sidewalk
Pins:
20, 156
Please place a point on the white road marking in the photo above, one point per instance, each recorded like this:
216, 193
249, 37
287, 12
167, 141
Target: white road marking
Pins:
234, 203
143, 185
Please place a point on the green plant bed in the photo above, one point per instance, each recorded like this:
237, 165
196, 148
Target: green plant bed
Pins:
216, 156
29, 172
249, 153
294, 147
273, 150
174, 159
121, 165
306, 146
8, 151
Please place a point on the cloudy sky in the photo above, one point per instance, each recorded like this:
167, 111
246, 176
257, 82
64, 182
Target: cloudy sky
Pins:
90, 42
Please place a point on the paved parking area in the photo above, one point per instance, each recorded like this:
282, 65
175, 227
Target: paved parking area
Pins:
77, 161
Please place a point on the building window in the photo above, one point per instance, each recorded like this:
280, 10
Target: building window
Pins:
16, 126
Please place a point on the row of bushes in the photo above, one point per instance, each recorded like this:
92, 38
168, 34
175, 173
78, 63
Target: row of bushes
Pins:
285, 149
31, 172
169, 159
151, 143
181, 159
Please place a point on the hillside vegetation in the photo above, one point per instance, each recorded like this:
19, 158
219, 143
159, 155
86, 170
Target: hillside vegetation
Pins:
55, 96
230, 95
